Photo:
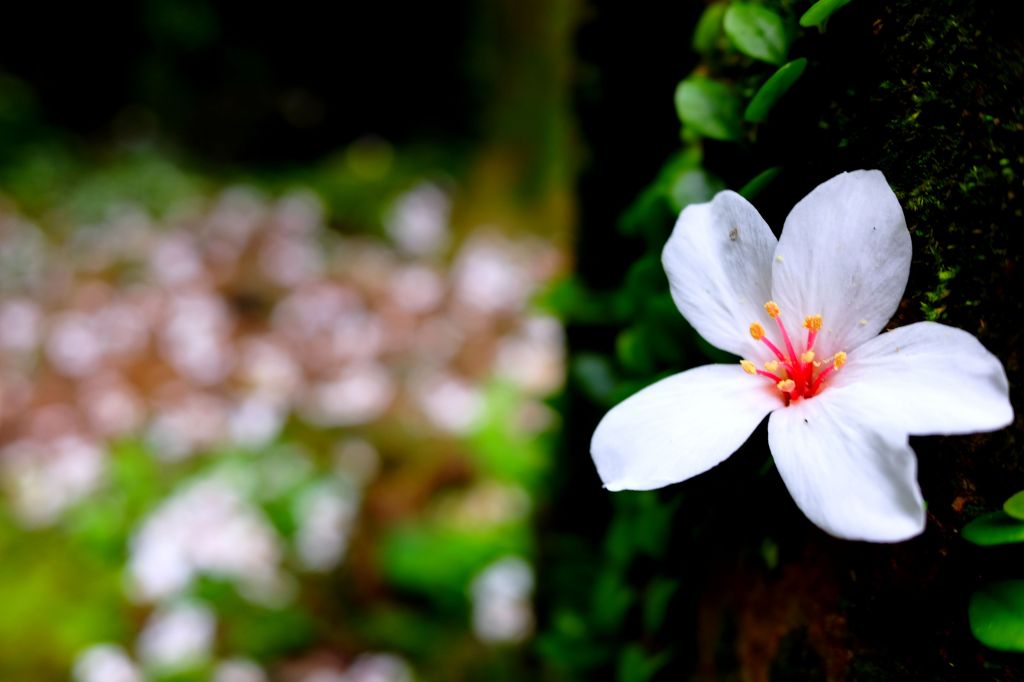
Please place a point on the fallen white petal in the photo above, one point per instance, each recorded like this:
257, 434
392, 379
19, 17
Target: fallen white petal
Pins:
719, 262
679, 427
844, 254
852, 477
928, 379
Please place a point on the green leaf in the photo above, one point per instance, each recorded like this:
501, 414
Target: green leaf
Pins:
996, 528
997, 615
821, 11
612, 598
709, 28
773, 90
1015, 506
631, 350
656, 602
757, 32
759, 182
636, 665
709, 108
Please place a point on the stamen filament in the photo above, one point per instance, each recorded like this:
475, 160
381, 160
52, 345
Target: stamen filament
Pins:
785, 338
821, 377
774, 377
838, 360
774, 349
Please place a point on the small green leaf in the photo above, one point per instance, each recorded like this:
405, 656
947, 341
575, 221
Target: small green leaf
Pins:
636, 665
656, 601
759, 182
757, 32
631, 350
820, 11
773, 89
709, 28
997, 615
1015, 506
709, 108
996, 528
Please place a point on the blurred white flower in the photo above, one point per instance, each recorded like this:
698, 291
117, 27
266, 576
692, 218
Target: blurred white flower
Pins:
105, 663
325, 514
417, 289
312, 309
238, 670
268, 370
449, 402
492, 274
20, 325
356, 395
502, 609
184, 425
418, 222
356, 334
534, 356
111, 405
206, 528
74, 344
299, 212
289, 261
195, 337
46, 477
378, 667
176, 636
174, 260
255, 421
125, 326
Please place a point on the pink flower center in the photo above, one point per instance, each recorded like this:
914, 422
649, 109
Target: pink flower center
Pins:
794, 375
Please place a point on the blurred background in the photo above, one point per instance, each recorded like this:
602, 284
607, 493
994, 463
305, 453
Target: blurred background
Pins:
277, 369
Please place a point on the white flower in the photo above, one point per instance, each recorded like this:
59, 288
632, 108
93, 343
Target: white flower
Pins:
843, 398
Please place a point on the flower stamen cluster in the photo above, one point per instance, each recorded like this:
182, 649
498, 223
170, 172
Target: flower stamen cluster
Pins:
801, 375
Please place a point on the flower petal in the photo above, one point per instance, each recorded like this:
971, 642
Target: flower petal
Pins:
853, 478
719, 261
679, 427
844, 254
928, 378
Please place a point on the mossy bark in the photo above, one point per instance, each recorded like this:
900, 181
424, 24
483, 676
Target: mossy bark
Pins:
931, 94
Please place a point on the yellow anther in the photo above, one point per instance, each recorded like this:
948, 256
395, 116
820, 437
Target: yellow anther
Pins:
772, 308
839, 360
748, 367
786, 385
807, 356
771, 365
757, 331
813, 322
